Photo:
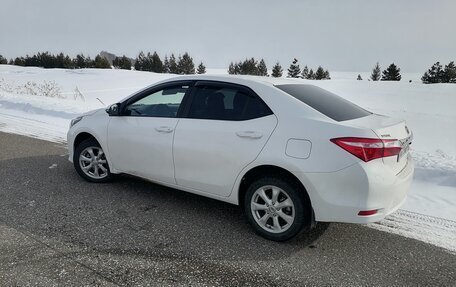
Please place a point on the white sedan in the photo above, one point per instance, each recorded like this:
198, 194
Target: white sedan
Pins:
291, 154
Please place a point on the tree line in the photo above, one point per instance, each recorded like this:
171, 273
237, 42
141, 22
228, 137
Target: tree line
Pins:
184, 64
392, 73
144, 62
435, 74
259, 68
248, 67
439, 74
48, 60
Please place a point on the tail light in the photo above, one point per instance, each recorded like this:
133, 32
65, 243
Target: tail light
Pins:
367, 212
369, 149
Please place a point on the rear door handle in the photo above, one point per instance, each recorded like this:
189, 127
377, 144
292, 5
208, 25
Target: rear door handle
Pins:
249, 134
164, 129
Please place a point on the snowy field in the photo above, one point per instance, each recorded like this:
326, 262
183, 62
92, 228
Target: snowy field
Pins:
430, 111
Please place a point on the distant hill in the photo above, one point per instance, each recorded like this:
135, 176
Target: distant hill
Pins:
110, 57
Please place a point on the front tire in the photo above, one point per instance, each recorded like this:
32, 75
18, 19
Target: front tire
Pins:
90, 161
277, 209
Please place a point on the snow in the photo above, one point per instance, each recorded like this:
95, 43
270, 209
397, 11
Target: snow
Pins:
48, 118
433, 230
429, 213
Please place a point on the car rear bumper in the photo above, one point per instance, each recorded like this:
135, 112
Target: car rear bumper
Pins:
340, 196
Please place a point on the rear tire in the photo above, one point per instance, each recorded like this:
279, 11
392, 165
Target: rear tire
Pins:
277, 209
90, 161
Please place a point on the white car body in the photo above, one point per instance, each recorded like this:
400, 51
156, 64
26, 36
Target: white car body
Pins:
211, 157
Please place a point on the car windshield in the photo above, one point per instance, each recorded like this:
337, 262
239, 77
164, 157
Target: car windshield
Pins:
325, 102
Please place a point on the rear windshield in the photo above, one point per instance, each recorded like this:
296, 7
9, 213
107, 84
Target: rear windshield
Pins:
325, 102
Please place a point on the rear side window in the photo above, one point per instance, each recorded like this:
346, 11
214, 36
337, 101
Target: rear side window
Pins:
226, 103
325, 102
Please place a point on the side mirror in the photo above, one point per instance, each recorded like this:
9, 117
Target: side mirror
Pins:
113, 110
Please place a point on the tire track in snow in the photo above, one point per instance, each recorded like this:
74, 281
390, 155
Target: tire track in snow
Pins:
434, 230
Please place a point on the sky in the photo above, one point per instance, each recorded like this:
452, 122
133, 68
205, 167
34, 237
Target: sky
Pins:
344, 35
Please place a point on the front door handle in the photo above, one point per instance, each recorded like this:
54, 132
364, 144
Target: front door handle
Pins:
249, 134
164, 129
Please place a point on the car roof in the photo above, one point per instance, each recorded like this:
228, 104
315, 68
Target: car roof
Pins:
254, 82
240, 79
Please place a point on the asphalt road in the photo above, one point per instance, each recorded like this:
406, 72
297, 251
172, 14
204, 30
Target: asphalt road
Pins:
57, 229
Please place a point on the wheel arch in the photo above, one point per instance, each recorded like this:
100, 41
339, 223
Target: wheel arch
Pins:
82, 136
268, 170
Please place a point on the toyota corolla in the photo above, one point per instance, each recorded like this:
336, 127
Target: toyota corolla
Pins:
289, 153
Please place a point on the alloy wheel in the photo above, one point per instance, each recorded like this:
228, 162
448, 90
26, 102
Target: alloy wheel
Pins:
273, 209
93, 163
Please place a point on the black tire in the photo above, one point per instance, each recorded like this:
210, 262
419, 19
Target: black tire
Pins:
91, 142
302, 208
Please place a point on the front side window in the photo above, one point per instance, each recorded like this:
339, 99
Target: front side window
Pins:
226, 103
161, 103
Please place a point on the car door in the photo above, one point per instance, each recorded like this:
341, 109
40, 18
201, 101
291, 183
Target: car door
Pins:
223, 129
140, 140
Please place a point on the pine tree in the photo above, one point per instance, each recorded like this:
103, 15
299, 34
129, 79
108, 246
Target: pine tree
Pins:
238, 68
327, 76
46, 60
232, 69
116, 63
122, 63
89, 62
305, 73
359, 78
140, 61
376, 73
262, 69
59, 60
450, 73
3, 61
277, 70
320, 73
101, 62
156, 65
294, 71
201, 69
248, 67
79, 62
185, 64
166, 65
36, 61
19, 61
392, 73
173, 65
434, 75
68, 63
311, 75
126, 63
147, 64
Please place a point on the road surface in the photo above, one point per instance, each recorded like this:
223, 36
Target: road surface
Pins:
57, 229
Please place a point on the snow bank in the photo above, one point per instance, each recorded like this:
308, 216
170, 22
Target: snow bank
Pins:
80, 91
430, 111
